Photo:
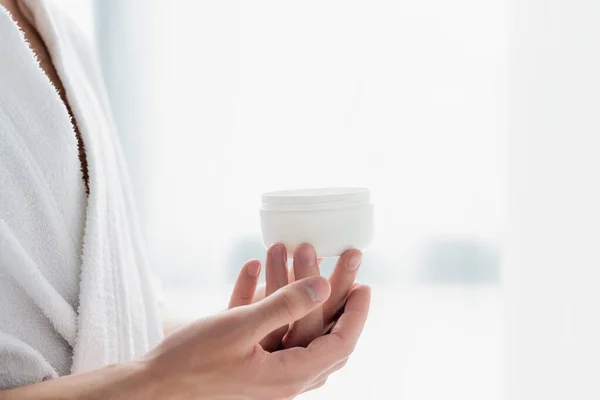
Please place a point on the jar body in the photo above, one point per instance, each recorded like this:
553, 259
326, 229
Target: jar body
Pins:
330, 227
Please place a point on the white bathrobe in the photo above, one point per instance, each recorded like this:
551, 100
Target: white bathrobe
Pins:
75, 290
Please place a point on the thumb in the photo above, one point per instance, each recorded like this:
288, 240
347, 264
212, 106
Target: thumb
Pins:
288, 304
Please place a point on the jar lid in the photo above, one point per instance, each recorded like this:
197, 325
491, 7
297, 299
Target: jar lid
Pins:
316, 199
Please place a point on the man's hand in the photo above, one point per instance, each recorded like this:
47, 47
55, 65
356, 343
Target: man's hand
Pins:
220, 356
317, 323
305, 264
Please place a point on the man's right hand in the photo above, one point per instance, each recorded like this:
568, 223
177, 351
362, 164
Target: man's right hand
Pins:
220, 356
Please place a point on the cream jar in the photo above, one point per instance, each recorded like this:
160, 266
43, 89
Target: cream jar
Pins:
331, 219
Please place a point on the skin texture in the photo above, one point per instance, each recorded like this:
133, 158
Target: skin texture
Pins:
301, 332
220, 357
319, 321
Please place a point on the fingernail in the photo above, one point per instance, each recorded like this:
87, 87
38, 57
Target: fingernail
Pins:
354, 261
253, 269
317, 289
308, 256
278, 253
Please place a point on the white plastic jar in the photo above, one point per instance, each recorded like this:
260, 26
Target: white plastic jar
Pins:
331, 219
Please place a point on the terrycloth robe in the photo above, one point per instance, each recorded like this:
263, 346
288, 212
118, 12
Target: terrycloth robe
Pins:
75, 288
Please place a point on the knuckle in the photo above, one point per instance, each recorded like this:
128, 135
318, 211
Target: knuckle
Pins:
246, 297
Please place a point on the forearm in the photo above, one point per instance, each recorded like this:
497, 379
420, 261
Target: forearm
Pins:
121, 381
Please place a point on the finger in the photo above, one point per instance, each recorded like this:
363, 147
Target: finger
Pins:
292, 278
329, 327
276, 278
276, 268
259, 294
311, 326
245, 285
326, 351
341, 280
288, 304
305, 261
349, 326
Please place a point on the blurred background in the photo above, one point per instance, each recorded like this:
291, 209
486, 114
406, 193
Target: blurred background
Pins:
219, 101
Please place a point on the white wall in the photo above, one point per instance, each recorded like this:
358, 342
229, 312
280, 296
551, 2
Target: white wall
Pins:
408, 98
553, 267
127, 32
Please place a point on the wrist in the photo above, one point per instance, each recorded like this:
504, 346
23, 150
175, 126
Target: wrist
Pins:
129, 380
162, 380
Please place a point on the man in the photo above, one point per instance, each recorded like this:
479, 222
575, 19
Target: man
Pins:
78, 318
